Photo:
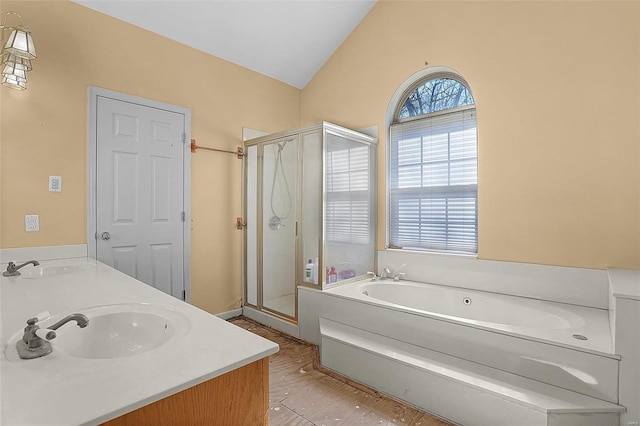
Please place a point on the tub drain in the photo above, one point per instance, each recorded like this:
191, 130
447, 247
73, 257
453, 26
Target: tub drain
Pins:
466, 301
580, 337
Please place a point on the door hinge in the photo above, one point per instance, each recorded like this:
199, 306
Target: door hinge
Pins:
184, 138
183, 216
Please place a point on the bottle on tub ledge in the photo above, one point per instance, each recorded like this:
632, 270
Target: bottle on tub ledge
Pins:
332, 275
308, 272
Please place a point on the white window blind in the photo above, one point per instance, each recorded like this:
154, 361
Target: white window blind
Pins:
433, 188
347, 214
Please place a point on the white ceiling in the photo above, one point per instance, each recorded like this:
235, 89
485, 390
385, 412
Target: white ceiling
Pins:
288, 40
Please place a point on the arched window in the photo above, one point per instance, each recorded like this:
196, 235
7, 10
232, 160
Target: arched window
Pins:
433, 168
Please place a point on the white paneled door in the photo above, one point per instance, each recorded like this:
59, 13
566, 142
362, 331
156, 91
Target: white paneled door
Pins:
139, 192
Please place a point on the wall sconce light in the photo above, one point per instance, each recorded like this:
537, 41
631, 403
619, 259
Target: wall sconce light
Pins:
17, 52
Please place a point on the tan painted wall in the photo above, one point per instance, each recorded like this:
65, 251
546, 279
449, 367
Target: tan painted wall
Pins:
44, 132
557, 89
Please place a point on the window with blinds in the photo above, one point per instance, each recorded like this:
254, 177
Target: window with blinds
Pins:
433, 183
347, 204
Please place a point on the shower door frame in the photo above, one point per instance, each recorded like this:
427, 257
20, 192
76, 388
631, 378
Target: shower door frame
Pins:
300, 133
260, 143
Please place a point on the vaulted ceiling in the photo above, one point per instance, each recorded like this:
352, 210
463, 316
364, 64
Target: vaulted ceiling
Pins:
287, 40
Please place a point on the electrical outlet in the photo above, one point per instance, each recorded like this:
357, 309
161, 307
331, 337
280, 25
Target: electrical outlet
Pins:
31, 223
55, 183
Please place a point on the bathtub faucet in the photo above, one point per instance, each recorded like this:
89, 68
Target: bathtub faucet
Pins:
386, 273
12, 269
398, 276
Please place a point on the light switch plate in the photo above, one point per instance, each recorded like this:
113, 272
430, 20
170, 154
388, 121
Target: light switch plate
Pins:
55, 183
31, 222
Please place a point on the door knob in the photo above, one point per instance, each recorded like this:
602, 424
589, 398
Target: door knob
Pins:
105, 236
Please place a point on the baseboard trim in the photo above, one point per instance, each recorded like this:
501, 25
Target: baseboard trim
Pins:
271, 321
230, 314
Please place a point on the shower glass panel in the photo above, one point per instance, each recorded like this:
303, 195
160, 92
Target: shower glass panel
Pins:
310, 214
349, 208
311, 206
279, 178
251, 251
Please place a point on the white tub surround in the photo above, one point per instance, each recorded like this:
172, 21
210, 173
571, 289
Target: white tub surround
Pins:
539, 320
59, 389
624, 300
509, 360
459, 390
577, 286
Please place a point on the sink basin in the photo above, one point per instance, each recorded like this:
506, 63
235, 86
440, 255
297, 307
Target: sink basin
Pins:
122, 330
47, 271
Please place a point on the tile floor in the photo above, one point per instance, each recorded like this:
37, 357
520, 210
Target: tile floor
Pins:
302, 395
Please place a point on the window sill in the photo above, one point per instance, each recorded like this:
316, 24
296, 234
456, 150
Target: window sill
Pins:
432, 253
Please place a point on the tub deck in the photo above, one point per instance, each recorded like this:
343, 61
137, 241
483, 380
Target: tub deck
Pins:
535, 375
594, 325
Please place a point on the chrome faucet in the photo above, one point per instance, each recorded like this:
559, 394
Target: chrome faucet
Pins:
398, 276
386, 273
12, 269
35, 341
374, 277
80, 319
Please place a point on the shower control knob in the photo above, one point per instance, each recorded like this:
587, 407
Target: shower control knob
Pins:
105, 236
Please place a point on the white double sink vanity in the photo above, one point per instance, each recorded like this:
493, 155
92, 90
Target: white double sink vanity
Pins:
142, 353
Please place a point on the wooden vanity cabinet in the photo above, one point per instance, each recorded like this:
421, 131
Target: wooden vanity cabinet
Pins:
239, 397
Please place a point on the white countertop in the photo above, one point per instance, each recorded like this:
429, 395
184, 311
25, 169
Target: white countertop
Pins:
62, 390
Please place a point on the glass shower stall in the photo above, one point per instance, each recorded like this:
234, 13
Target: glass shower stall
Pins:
310, 205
